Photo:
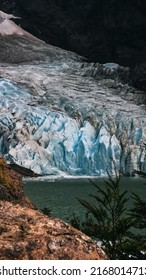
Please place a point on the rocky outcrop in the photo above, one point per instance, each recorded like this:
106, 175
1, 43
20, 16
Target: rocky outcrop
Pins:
11, 188
16, 49
138, 75
27, 234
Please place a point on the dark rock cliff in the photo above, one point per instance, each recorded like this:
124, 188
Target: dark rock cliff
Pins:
101, 30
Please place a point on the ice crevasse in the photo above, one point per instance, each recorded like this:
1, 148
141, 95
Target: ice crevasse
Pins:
51, 142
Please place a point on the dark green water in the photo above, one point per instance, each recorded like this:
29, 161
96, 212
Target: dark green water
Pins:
61, 196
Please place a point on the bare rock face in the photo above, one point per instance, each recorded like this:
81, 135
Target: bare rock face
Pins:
26, 234
138, 75
11, 188
101, 30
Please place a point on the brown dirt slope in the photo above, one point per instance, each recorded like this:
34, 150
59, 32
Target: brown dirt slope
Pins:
27, 234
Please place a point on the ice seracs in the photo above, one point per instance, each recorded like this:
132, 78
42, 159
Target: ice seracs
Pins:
51, 142
60, 114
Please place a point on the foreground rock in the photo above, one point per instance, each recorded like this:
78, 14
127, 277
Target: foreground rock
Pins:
26, 234
11, 188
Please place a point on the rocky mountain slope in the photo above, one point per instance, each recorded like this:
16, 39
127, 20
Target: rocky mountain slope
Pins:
60, 114
26, 234
101, 30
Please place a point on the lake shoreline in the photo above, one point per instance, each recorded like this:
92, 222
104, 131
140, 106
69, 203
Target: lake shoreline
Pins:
56, 178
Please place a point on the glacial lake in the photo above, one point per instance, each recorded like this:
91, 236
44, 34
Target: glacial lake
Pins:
61, 195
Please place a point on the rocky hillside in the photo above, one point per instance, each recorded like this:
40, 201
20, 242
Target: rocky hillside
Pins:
26, 234
101, 30
11, 188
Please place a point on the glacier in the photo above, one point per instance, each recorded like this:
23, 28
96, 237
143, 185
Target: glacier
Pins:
51, 142
60, 114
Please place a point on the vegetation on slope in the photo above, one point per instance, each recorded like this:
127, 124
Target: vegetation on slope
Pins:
122, 232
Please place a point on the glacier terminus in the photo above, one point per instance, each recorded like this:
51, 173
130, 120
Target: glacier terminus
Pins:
61, 114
